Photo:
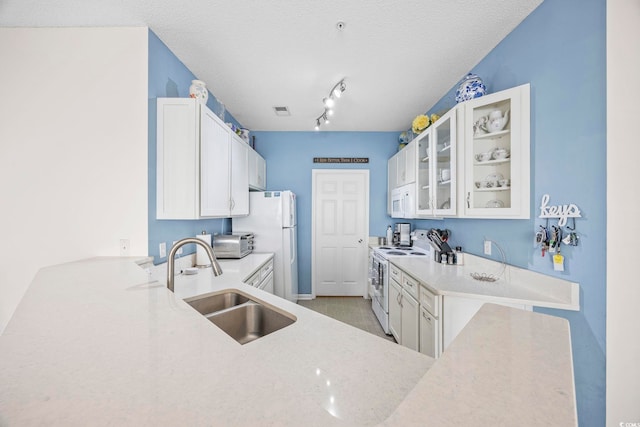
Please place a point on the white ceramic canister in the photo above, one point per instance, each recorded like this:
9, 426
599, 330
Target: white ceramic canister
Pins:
198, 90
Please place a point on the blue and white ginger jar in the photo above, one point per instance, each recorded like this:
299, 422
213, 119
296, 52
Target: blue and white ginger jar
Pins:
470, 87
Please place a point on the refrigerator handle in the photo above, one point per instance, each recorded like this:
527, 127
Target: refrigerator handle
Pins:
292, 244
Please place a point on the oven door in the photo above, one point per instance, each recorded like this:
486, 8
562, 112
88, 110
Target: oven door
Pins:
379, 281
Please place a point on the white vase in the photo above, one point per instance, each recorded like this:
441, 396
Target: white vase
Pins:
198, 90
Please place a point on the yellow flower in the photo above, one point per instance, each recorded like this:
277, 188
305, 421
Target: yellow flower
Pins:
434, 118
420, 123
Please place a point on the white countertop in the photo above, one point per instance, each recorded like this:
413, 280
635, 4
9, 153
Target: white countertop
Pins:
234, 271
96, 342
516, 285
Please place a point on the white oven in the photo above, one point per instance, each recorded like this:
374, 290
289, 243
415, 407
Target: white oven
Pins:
379, 273
403, 201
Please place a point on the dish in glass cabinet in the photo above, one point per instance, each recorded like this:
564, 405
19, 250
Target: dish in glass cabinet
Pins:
494, 179
495, 204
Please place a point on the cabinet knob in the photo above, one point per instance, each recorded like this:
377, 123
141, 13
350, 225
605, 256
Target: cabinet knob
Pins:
360, 241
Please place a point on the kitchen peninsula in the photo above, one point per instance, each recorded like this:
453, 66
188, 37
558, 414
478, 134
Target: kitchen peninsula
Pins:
97, 341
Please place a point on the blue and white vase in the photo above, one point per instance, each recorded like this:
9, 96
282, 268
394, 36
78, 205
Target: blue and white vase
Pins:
470, 87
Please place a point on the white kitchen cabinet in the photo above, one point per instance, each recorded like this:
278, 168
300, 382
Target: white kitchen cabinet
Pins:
406, 164
395, 310
257, 171
429, 333
239, 185
430, 326
262, 278
201, 165
437, 168
410, 321
392, 181
458, 311
497, 155
404, 309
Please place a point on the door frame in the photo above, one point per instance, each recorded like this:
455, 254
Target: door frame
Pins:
314, 174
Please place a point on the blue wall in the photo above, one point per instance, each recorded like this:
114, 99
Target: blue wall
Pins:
560, 50
168, 77
289, 157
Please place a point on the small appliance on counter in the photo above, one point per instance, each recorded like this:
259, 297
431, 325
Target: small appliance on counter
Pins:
402, 234
236, 245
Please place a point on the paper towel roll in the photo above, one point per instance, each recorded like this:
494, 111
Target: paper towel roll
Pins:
202, 259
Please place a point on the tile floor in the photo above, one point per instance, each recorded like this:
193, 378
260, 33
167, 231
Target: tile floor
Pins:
355, 311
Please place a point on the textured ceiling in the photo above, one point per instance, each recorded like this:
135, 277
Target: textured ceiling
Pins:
398, 57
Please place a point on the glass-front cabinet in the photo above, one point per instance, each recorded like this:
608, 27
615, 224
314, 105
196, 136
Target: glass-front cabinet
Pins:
497, 159
437, 168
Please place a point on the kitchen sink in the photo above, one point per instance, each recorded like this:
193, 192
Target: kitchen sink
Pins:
242, 317
211, 303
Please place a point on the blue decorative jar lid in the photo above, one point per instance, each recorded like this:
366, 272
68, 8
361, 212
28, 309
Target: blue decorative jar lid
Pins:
469, 88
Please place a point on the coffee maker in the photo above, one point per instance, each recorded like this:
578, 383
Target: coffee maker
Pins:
402, 234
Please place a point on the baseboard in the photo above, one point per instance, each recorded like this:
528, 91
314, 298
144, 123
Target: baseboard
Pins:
305, 297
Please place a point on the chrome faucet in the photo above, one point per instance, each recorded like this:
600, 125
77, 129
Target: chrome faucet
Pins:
217, 270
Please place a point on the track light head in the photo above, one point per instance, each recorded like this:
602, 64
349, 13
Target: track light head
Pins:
329, 102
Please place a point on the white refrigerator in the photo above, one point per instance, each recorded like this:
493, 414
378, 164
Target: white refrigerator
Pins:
272, 220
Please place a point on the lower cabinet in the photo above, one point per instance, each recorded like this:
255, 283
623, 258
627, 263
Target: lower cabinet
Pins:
262, 278
423, 321
267, 283
429, 333
395, 310
404, 312
410, 321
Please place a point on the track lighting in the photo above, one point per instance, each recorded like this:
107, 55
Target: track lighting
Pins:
329, 102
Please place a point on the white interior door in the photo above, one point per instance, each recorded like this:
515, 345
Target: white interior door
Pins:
340, 223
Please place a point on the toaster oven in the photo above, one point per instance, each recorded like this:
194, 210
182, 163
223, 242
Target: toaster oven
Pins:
236, 245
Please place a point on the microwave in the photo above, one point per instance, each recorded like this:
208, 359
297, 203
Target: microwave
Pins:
403, 201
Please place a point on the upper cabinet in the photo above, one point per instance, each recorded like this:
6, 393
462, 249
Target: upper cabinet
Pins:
202, 166
437, 167
497, 155
257, 171
392, 181
473, 162
406, 164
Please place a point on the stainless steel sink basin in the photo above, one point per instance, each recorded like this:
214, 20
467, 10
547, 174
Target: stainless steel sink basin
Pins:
211, 303
242, 317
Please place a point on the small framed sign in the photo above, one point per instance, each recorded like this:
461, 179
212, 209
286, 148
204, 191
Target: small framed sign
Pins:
340, 160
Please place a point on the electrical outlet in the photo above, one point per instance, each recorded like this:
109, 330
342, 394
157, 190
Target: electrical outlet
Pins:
487, 247
124, 247
179, 251
163, 250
